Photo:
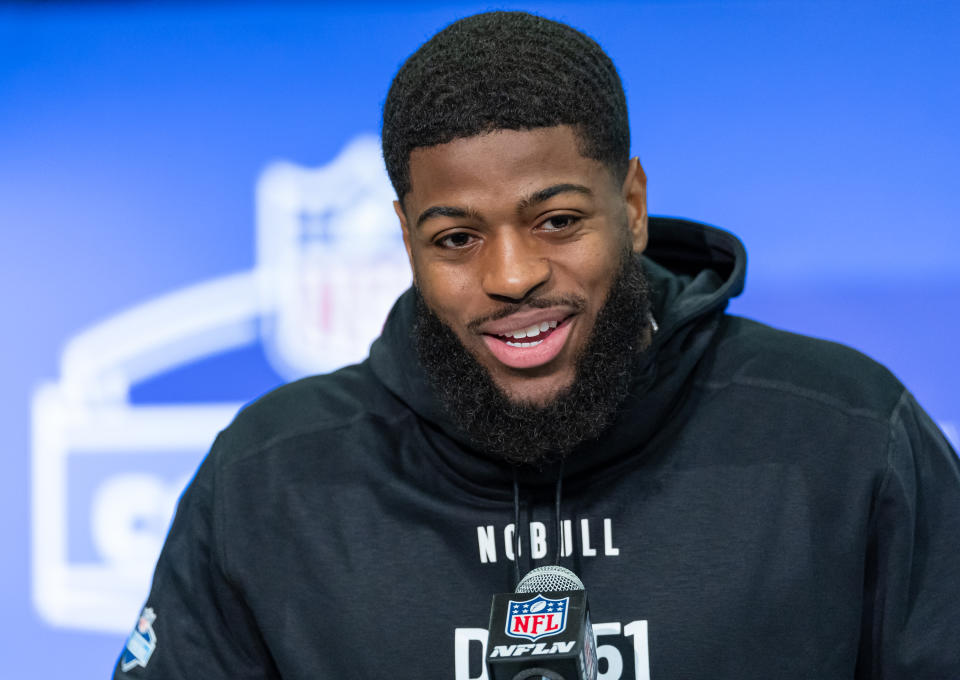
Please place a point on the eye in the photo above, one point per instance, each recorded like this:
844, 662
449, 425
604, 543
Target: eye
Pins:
559, 222
458, 239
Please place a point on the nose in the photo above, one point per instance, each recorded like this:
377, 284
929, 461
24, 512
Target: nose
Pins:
514, 265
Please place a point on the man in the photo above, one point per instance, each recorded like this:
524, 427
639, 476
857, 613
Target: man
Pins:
561, 385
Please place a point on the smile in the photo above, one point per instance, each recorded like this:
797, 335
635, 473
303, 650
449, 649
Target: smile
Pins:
531, 345
539, 331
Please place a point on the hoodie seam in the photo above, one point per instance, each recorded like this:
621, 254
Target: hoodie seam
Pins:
801, 392
314, 428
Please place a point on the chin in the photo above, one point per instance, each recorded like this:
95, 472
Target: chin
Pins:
535, 392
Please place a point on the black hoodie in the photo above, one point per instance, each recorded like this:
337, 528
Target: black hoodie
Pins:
765, 505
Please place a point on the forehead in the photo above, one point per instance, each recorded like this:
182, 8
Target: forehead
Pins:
503, 164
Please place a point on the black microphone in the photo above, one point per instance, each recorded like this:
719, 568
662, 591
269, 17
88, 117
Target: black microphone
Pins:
542, 631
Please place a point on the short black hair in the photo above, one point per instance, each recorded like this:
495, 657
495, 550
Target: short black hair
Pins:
505, 71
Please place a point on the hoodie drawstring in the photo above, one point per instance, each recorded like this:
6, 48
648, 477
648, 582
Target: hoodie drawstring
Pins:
556, 504
558, 492
516, 528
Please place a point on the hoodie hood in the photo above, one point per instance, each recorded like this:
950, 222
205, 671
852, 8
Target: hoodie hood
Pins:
694, 270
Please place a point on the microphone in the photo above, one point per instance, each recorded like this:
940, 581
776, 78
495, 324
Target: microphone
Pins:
542, 631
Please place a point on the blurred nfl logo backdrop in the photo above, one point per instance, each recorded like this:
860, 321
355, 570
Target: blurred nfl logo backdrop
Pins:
107, 473
158, 270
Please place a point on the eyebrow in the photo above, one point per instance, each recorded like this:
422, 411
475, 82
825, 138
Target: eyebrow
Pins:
526, 202
548, 193
444, 211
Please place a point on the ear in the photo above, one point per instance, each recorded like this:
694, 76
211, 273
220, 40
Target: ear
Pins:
405, 228
634, 192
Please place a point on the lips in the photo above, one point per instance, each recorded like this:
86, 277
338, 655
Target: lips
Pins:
522, 342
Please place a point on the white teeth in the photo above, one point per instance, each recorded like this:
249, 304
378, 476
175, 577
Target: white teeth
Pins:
533, 331
524, 344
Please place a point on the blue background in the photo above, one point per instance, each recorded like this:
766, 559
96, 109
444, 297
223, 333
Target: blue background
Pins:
824, 134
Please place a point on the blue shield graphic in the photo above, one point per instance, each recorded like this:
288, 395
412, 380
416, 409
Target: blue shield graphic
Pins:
537, 618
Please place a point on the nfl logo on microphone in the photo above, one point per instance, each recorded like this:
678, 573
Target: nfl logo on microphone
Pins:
537, 618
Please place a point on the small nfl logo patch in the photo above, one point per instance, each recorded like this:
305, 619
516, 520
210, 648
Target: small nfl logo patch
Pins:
537, 618
141, 643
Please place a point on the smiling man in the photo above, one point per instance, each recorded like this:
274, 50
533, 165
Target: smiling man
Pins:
561, 385
528, 290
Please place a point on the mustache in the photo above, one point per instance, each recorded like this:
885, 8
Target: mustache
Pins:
577, 302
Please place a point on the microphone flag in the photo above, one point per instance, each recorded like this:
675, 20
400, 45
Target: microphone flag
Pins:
541, 635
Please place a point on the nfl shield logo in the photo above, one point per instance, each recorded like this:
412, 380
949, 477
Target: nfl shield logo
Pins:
141, 643
537, 618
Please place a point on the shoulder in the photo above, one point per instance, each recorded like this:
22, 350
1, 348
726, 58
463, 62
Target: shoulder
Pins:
313, 409
751, 355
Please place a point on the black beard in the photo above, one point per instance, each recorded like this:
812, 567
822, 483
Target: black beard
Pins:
523, 433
